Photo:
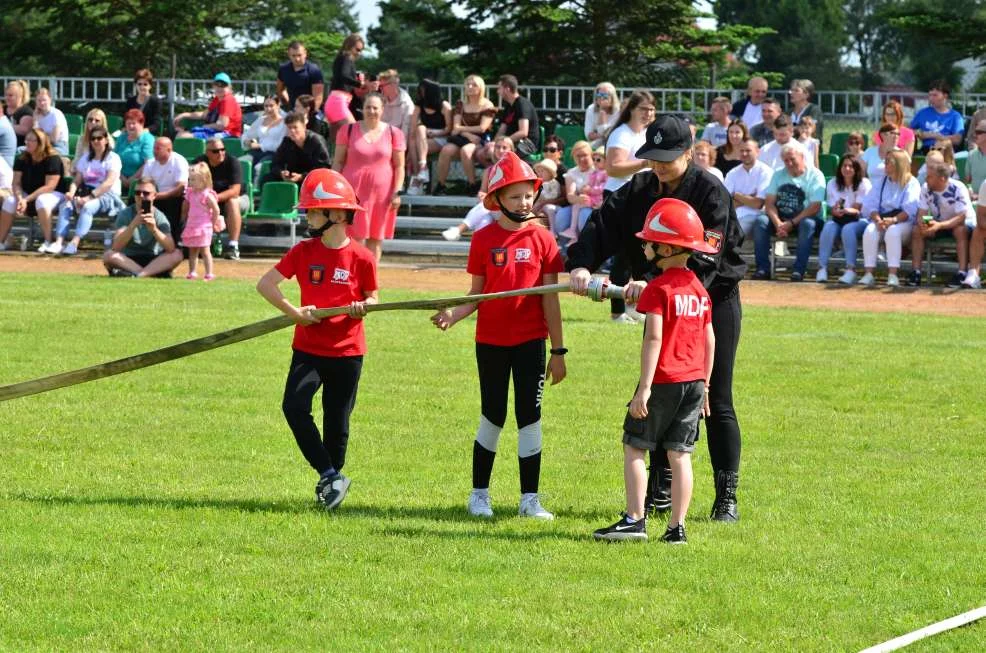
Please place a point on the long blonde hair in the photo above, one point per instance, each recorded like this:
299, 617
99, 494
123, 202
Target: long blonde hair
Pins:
902, 167
45, 149
480, 84
83, 145
200, 171
609, 88
24, 89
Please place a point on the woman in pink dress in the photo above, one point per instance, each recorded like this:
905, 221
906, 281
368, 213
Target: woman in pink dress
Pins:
370, 155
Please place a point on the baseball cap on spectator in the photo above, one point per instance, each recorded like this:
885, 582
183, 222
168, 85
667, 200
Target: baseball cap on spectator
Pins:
668, 137
223, 78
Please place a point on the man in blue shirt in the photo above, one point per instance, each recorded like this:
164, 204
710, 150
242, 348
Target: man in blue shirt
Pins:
299, 77
938, 121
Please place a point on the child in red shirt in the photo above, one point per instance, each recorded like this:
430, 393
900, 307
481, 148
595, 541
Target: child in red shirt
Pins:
332, 270
675, 367
509, 254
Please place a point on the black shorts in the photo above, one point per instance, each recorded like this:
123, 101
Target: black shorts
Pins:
673, 411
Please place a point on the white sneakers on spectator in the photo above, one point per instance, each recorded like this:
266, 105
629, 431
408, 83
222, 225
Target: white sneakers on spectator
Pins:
867, 280
51, 248
70, 249
480, 504
822, 276
893, 281
972, 280
530, 506
414, 188
452, 233
848, 277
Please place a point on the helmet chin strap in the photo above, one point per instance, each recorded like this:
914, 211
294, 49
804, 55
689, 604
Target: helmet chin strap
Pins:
517, 217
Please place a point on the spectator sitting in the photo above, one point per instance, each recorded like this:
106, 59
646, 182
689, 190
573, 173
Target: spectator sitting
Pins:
432, 122
704, 156
975, 165
142, 244
264, 136
51, 120
728, 155
893, 114
169, 172
227, 181
554, 149
943, 149
938, 122
801, 107
793, 202
977, 243
518, 119
8, 138
844, 195
223, 117
600, 115
144, 101
546, 203
94, 119
805, 134
875, 156
344, 83
763, 133
783, 134
578, 191
472, 119
747, 185
305, 104
944, 208
38, 187
398, 107
855, 144
135, 146
299, 153
715, 131
890, 207
95, 189
297, 77
479, 216
970, 132
749, 108
6, 180
18, 109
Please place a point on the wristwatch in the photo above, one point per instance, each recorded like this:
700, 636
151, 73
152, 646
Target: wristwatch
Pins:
561, 351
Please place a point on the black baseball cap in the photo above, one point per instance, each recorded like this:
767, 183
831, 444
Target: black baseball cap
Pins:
668, 137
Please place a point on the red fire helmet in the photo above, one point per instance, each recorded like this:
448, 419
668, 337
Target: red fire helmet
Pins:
674, 222
327, 189
510, 169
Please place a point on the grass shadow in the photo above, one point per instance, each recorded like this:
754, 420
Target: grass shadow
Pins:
175, 503
548, 533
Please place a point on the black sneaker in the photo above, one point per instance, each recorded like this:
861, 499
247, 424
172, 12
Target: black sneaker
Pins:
914, 278
957, 280
623, 530
439, 190
120, 272
797, 276
331, 489
232, 252
675, 535
761, 275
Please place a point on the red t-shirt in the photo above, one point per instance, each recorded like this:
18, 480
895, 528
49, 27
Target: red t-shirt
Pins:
229, 107
510, 260
328, 278
680, 298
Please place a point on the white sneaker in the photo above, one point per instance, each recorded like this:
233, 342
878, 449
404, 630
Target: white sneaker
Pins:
107, 243
623, 318
3, 247
530, 506
480, 504
848, 277
893, 281
70, 249
414, 188
972, 280
822, 276
43, 248
867, 280
423, 176
634, 314
452, 233
53, 248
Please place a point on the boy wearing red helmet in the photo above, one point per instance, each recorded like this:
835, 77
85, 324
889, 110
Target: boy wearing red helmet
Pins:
509, 254
332, 270
675, 368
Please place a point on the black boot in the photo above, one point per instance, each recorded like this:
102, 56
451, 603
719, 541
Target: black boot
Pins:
724, 508
658, 499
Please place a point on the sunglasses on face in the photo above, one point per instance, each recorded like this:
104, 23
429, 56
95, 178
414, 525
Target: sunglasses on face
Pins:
97, 138
980, 131
551, 149
602, 94
217, 151
144, 193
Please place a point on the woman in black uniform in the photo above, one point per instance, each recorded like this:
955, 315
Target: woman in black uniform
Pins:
611, 230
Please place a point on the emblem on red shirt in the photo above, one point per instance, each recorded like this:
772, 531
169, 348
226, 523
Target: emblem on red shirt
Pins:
522, 255
713, 239
316, 274
499, 255
340, 276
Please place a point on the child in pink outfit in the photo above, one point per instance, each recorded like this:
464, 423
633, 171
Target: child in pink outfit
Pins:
200, 212
597, 178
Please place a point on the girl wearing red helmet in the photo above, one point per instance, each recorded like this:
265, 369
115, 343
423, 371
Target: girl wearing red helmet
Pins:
332, 270
675, 368
509, 254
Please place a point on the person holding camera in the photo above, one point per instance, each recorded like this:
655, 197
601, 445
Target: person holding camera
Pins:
142, 244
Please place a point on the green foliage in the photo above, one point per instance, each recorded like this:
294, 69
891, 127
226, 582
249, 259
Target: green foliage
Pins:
403, 41
258, 62
872, 39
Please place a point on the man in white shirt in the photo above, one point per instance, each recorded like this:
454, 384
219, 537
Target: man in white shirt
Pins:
944, 208
783, 134
715, 131
169, 170
398, 105
749, 107
747, 184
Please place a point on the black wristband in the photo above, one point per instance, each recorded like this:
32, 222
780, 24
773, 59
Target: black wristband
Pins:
561, 351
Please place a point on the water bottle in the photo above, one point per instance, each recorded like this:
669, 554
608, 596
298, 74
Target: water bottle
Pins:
217, 245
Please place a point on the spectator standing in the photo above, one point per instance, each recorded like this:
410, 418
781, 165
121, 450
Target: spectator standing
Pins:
771, 154
472, 118
875, 157
18, 109
299, 153
805, 134
890, 207
51, 120
764, 132
264, 136
299, 76
8, 138
600, 115
749, 108
38, 186
223, 116
344, 83
142, 243
975, 166
95, 119
398, 107
943, 208
227, 181
793, 203
200, 213
169, 172
893, 114
135, 146
844, 195
747, 184
95, 190
728, 155
801, 93
715, 131
938, 121
432, 122
370, 154
145, 102
518, 119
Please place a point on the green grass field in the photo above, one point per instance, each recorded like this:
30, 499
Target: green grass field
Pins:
169, 509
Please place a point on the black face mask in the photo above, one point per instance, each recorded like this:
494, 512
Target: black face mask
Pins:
660, 257
517, 217
317, 233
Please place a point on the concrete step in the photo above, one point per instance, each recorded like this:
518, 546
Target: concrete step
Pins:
462, 201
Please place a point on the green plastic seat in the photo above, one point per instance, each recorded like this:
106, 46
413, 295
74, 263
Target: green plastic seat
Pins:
73, 141
190, 148
258, 184
246, 167
828, 164
114, 123
838, 143
960, 167
75, 123
234, 146
278, 201
571, 134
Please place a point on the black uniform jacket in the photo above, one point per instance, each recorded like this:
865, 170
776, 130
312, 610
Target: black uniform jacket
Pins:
612, 227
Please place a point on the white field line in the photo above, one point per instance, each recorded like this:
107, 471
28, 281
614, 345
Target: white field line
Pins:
928, 631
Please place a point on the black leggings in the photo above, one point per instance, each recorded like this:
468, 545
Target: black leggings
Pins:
495, 363
340, 377
619, 273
